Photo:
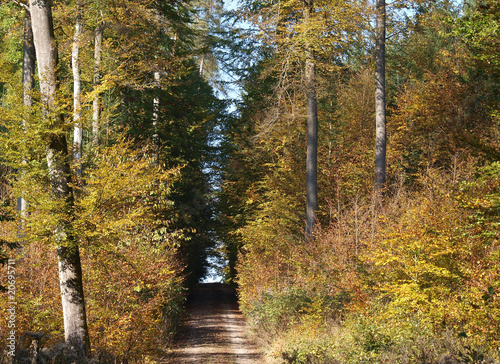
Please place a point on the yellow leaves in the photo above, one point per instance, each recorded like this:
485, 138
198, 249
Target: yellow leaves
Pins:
326, 30
120, 193
128, 288
407, 295
426, 261
37, 293
131, 273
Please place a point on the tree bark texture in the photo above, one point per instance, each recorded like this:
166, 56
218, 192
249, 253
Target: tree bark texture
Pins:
29, 63
380, 112
58, 160
312, 136
77, 89
156, 115
96, 103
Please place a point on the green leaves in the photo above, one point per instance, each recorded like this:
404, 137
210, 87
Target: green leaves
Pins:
481, 29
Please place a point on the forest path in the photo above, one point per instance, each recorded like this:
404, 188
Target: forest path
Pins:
214, 331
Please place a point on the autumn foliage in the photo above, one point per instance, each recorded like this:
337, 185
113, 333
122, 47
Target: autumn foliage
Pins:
406, 274
410, 276
139, 192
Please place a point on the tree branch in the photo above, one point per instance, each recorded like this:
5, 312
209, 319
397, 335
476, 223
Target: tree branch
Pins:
21, 4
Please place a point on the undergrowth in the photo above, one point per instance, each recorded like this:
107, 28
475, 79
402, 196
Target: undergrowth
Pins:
417, 283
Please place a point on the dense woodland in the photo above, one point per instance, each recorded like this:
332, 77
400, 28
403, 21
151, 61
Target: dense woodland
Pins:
351, 192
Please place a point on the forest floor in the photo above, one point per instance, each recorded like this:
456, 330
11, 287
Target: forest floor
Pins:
214, 330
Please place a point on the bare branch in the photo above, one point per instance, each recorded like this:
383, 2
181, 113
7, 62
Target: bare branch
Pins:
21, 4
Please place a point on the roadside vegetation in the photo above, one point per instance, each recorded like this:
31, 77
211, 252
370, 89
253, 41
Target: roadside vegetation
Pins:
408, 274
356, 228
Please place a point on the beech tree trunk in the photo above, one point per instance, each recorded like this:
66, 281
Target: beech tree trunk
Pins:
380, 120
96, 103
29, 63
77, 89
312, 137
58, 160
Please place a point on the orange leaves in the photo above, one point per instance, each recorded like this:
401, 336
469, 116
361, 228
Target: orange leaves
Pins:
438, 259
129, 288
38, 301
427, 253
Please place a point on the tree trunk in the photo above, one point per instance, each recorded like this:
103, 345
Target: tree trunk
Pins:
380, 122
312, 137
29, 61
156, 115
77, 90
29, 64
96, 103
202, 63
58, 158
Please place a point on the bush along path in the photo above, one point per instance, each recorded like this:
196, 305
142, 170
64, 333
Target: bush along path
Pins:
214, 330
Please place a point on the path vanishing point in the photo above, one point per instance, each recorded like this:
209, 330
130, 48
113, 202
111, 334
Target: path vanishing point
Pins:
214, 330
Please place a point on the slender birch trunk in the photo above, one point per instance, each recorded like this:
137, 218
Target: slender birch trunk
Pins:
312, 136
96, 103
380, 112
58, 160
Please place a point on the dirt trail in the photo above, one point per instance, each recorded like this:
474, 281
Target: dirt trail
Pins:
214, 331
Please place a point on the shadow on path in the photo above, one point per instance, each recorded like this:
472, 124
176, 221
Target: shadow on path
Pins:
214, 331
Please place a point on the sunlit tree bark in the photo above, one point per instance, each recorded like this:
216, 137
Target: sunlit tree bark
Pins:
96, 103
77, 88
58, 160
29, 62
380, 120
156, 114
29, 59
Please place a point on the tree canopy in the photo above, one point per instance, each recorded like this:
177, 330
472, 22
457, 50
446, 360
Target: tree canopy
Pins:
129, 155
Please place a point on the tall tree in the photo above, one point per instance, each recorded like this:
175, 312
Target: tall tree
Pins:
380, 120
58, 160
303, 37
29, 63
77, 87
312, 133
156, 111
96, 102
